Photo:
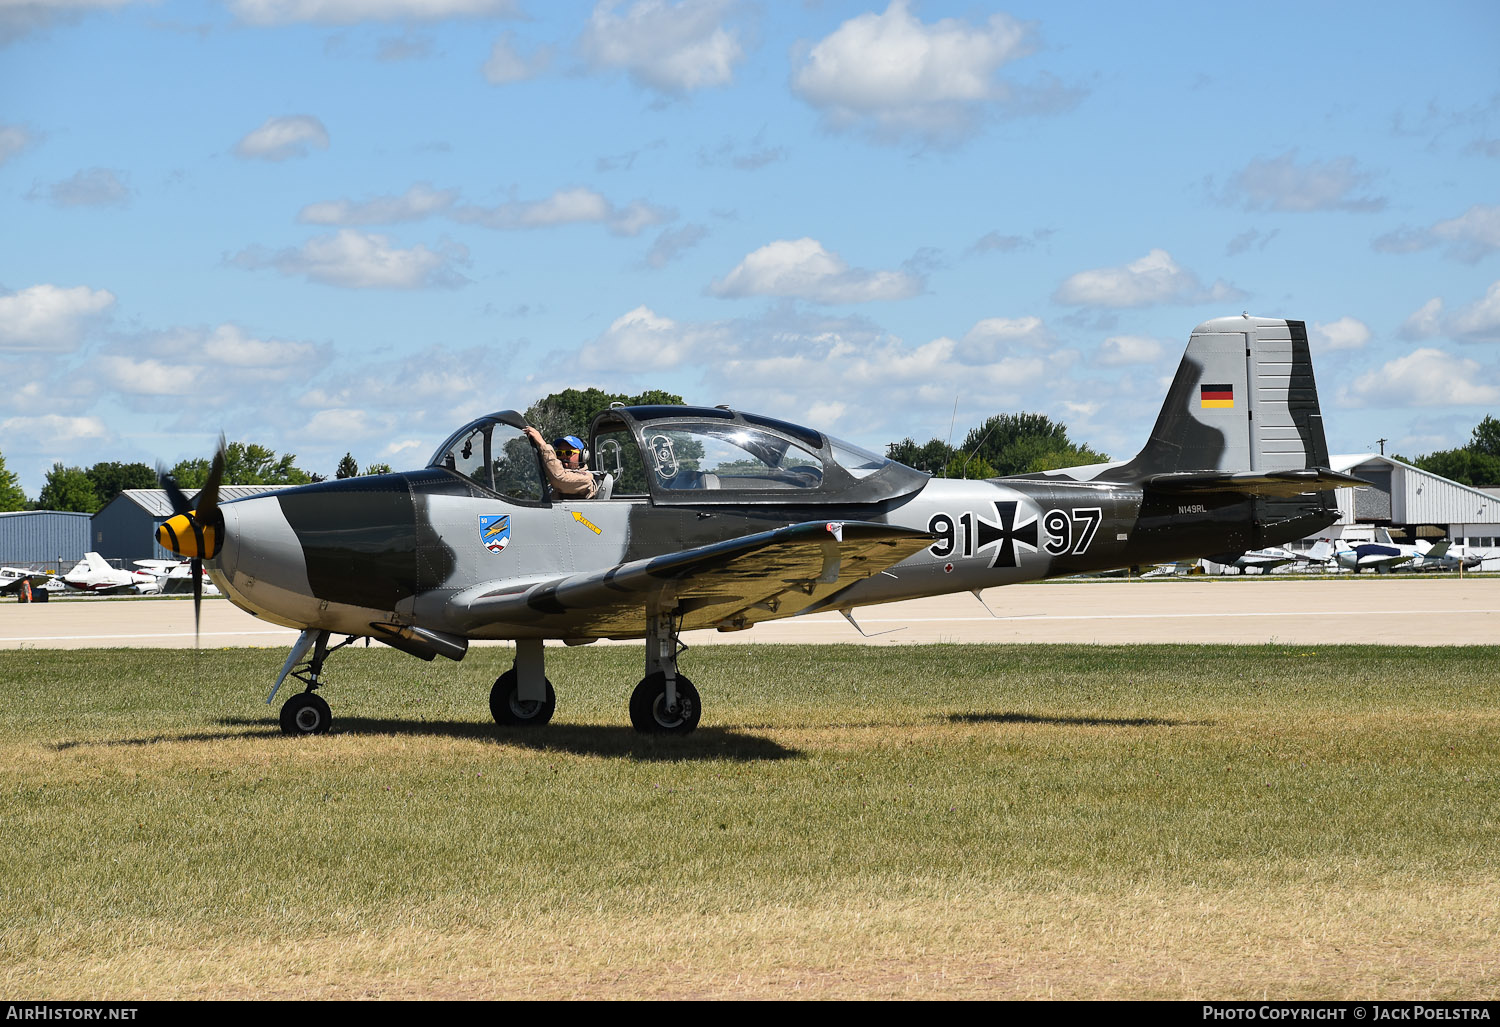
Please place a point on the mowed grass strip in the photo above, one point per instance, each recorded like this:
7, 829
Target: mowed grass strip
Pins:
934, 821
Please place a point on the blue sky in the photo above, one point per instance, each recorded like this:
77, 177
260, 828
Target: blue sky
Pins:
351, 225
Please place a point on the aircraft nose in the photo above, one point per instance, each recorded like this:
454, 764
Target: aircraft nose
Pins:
178, 535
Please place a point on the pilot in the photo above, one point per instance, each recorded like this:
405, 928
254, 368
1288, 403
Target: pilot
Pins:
562, 462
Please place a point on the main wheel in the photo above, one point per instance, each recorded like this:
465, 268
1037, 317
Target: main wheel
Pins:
305, 714
648, 706
510, 709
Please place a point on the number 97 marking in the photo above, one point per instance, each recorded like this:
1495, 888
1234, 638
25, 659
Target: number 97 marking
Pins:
1071, 531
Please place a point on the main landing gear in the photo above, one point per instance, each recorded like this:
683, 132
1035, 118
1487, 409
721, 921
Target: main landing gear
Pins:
522, 696
664, 703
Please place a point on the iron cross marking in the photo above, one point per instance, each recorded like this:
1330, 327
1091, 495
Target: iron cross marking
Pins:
1007, 534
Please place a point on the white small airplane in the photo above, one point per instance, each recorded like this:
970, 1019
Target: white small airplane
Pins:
13, 580
176, 576
1260, 561
94, 574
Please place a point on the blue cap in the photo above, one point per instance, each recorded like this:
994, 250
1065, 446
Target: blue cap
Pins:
572, 440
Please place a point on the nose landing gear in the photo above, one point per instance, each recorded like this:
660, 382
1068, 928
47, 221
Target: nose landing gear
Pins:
306, 713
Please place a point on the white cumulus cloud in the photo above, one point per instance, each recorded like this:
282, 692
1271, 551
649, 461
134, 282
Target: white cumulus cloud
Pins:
567, 207
1480, 320
1425, 322
1470, 237
418, 202
1280, 183
280, 138
48, 317
993, 338
668, 47
508, 64
355, 260
1154, 278
1423, 378
1345, 333
13, 139
803, 269
644, 338
55, 428
894, 75
1123, 350
94, 187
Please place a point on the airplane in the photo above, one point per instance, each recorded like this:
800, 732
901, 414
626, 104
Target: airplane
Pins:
1450, 559
1381, 555
23, 582
709, 517
1261, 561
94, 574
175, 576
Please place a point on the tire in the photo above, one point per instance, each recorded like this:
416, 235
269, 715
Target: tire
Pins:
305, 714
510, 710
648, 711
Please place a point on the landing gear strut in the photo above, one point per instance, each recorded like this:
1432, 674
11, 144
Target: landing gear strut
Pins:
665, 702
306, 713
522, 696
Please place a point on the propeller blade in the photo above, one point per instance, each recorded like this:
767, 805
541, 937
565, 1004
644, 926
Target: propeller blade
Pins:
208, 497
196, 569
174, 493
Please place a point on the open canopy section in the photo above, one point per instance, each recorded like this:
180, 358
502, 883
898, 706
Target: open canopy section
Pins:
494, 453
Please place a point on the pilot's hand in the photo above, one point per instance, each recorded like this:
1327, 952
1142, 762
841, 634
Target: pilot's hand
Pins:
533, 434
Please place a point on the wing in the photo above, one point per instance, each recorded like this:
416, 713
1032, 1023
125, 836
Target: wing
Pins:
729, 585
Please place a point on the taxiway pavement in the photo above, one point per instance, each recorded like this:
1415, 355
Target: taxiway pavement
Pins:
1303, 611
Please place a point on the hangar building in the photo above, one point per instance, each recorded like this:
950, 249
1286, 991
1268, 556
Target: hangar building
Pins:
50, 539
126, 528
1412, 503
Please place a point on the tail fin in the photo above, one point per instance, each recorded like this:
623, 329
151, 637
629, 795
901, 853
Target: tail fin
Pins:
1241, 416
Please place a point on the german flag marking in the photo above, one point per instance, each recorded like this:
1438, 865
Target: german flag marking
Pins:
1216, 397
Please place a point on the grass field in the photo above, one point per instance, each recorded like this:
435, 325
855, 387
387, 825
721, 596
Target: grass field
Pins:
924, 821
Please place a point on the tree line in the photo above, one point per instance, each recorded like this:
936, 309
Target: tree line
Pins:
1001, 445
1476, 464
91, 489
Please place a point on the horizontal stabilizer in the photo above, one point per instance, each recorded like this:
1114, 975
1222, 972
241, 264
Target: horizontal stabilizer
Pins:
1253, 483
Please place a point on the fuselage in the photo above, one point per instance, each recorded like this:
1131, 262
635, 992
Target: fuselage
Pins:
398, 548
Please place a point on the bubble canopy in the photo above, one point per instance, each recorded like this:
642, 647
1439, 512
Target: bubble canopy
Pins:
682, 455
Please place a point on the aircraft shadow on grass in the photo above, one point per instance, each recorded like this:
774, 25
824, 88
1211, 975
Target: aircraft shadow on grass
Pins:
1039, 718
580, 740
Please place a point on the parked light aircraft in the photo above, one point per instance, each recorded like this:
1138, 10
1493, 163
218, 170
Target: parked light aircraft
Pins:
94, 574
175, 576
1450, 559
1381, 555
14, 580
1261, 561
712, 517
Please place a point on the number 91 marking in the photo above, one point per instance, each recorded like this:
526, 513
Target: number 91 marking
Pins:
1071, 531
